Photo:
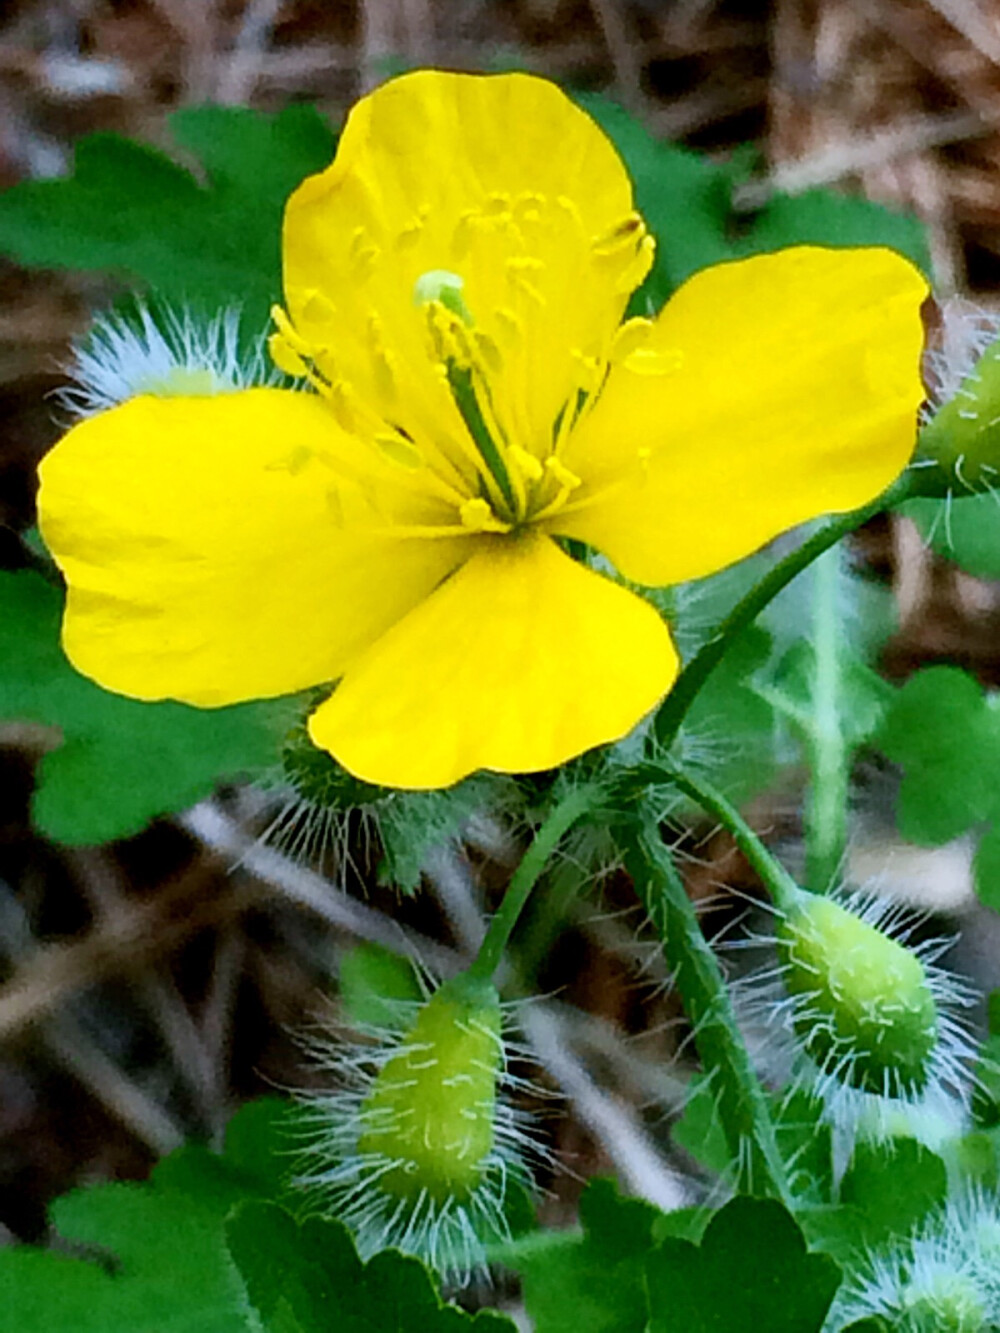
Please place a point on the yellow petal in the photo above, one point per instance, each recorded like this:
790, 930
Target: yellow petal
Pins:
497, 185
520, 661
207, 552
791, 390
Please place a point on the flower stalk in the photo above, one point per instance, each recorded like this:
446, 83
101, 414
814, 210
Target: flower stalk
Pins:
578, 802
674, 708
742, 1105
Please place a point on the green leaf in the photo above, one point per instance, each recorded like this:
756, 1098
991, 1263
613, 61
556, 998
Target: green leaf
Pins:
699, 1130
892, 1186
862, 695
372, 980
965, 530
827, 217
593, 1284
686, 199
804, 1143
129, 209
986, 1091
942, 732
156, 1253
751, 1271
307, 1278
729, 732
986, 868
121, 763
886, 1193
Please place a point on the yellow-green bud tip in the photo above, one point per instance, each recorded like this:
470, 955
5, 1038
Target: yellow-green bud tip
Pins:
437, 284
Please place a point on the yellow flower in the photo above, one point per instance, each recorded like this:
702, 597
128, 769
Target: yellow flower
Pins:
455, 285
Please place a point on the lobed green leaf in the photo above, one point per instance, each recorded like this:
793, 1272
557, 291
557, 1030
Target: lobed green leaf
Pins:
120, 763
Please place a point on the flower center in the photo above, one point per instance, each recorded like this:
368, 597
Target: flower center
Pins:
476, 383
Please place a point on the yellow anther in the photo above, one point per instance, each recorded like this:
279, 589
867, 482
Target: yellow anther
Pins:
338, 395
650, 361
287, 330
518, 270
285, 357
569, 207
410, 234
293, 462
638, 269
631, 335
497, 202
529, 207
569, 481
381, 360
488, 350
317, 308
508, 326
527, 464
622, 236
364, 262
589, 371
477, 516
398, 449
449, 336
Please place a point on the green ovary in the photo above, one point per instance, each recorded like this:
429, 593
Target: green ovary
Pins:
867, 1006
432, 1107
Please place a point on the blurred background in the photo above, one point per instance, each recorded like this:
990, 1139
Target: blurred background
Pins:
147, 988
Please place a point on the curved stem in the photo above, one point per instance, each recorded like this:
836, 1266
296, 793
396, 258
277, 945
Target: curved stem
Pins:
692, 678
576, 803
775, 878
825, 815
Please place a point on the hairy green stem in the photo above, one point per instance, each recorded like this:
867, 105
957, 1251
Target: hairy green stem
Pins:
742, 1105
685, 690
576, 803
775, 878
826, 798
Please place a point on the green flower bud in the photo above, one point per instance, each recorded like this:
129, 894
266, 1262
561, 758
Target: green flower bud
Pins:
868, 1009
432, 1107
417, 1146
952, 1303
962, 430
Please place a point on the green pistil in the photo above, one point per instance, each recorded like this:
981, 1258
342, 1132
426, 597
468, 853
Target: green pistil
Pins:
464, 393
445, 288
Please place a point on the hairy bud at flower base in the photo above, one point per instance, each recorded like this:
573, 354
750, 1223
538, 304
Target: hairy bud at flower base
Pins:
870, 1012
941, 1279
